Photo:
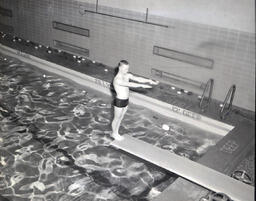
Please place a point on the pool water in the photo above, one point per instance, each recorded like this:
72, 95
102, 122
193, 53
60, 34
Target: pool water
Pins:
55, 136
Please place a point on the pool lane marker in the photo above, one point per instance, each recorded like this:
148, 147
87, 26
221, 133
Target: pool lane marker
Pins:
158, 106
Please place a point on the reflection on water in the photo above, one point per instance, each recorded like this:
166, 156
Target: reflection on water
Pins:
55, 135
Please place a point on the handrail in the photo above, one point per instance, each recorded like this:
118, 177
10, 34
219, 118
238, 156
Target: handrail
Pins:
124, 18
230, 95
208, 87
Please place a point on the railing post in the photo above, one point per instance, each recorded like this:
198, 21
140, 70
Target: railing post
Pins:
207, 100
225, 109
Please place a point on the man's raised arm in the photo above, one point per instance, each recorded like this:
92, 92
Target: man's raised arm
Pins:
130, 84
142, 80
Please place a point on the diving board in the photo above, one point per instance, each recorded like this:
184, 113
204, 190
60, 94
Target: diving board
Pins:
199, 174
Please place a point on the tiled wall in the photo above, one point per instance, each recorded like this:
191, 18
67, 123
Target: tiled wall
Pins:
112, 39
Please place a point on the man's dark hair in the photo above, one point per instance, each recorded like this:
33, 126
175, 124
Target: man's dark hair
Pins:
123, 62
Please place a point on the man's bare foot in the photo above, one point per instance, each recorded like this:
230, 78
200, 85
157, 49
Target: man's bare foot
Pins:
117, 137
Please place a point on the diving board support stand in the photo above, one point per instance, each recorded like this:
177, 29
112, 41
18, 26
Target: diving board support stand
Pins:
190, 170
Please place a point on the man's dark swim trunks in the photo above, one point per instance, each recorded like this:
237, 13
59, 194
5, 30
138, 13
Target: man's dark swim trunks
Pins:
121, 102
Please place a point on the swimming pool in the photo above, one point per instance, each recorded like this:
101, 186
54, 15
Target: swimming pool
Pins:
55, 137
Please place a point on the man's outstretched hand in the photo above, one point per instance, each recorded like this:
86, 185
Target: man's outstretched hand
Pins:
146, 86
154, 82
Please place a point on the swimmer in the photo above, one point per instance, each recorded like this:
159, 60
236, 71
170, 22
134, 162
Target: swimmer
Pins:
121, 85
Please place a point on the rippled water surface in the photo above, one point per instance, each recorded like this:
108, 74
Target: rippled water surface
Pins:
55, 135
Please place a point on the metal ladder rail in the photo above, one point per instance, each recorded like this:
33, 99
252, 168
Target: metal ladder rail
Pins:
209, 86
230, 95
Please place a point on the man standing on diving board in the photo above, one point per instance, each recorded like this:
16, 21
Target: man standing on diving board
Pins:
121, 85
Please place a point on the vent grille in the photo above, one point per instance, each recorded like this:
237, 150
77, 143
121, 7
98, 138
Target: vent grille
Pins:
183, 57
177, 79
71, 48
5, 12
71, 29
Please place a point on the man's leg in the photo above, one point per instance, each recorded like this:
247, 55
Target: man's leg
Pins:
118, 116
121, 117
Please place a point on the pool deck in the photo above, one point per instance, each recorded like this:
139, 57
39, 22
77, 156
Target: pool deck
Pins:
225, 157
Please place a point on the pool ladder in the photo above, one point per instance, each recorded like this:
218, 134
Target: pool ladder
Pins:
205, 101
226, 107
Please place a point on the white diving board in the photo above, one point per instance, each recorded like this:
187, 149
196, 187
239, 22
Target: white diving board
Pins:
199, 174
